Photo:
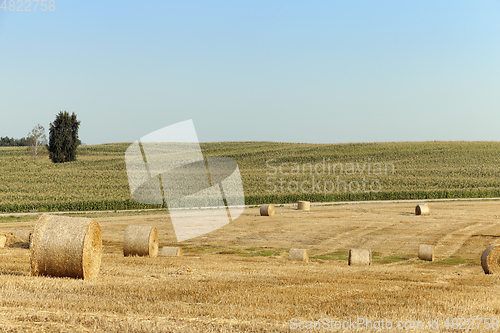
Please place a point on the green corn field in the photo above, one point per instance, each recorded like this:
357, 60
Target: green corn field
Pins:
271, 173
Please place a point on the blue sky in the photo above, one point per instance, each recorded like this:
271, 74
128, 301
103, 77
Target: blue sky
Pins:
296, 71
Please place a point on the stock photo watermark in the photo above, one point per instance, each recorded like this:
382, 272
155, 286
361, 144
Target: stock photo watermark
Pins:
367, 324
167, 167
326, 177
28, 5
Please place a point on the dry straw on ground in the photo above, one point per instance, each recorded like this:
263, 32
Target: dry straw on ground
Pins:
140, 241
3, 240
422, 209
299, 255
426, 252
267, 210
490, 260
360, 257
220, 286
303, 205
168, 251
66, 247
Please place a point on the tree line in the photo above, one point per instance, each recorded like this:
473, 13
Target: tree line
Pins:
5, 141
62, 143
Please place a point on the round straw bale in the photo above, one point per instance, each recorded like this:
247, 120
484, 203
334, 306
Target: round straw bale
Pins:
422, 209
25, 235
360, 257
490, 260
140, 241
299, 254
3, 240
168, 251
303, 205
426, 252
66, 247
11, 240
267, 210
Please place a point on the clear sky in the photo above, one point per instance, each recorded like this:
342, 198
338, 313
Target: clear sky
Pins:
281, 70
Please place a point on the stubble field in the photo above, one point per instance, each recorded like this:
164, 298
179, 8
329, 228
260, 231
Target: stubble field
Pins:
239, 278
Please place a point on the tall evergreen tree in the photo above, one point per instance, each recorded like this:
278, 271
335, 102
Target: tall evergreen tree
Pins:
63, 138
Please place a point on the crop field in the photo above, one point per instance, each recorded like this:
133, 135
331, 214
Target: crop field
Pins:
271, 172
239, 278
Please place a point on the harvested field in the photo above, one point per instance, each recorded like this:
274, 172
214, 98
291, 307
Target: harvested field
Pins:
239, 278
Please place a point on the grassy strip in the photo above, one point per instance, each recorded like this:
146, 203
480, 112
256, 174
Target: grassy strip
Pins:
332, 256
74, 206
338, 255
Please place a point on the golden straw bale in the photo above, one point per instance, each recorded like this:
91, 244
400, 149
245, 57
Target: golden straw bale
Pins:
422, 209
426, 252
360, 257
490, 260
140, 241
25, 235
169, 251
66, 247
267, 210
303, 205
299, 255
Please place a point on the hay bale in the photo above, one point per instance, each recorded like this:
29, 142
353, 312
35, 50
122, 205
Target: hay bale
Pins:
360, 257
3, 240
267, 210
426, 252
25, 235
140, 241
490, 260
422, 209
299, 255
168, 251
13, 241
66, 247
303, 205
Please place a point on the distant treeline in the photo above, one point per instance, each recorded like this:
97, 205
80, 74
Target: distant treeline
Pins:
11, 142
